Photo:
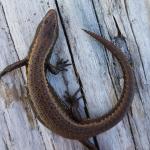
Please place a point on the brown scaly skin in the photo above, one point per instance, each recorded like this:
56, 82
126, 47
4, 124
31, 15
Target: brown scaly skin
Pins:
44, 100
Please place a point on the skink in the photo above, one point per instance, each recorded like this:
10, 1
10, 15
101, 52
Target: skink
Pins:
46, 102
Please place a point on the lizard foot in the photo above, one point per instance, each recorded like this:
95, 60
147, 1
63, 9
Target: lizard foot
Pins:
73, 101
60, 66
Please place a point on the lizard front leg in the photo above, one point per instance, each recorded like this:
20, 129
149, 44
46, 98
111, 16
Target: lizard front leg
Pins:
13, 66
60, 66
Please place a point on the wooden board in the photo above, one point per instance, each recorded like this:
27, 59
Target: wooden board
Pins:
94, 70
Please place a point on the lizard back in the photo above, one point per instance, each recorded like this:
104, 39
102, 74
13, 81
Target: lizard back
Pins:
45, 101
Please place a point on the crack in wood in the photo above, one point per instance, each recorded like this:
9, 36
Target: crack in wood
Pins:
73, 63
9, 135
105, 52
117, 26
107, 58
41, 134
6, 146
75, 69
126, 8
12, 39
131, 130
135, 127
53, 145
138, 136
139, 93
25, 104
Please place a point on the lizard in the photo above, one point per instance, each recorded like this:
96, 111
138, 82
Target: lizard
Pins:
44, 100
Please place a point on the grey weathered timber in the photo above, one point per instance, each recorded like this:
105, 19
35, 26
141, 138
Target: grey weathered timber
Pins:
94, 69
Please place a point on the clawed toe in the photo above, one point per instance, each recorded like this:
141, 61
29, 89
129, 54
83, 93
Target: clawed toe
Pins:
72, 99
62, 64
78, 90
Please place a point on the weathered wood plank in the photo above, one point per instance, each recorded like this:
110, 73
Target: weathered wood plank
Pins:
15, 129
94, 69
22, 26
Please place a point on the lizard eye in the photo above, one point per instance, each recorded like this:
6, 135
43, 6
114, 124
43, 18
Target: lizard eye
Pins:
46, 21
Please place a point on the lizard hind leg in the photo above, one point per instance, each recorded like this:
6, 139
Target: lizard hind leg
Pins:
13, 66
74, 104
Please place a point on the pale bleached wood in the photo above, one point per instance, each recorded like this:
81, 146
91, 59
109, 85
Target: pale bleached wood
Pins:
132, 19
98, 72
92, 68
22, 26
15, 129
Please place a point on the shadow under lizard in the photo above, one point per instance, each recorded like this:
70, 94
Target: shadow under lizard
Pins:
44, 100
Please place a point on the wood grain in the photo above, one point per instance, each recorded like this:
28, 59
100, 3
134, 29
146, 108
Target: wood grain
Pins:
126, 23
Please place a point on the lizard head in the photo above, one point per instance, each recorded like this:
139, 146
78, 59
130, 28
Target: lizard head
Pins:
49, 23
47, 30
